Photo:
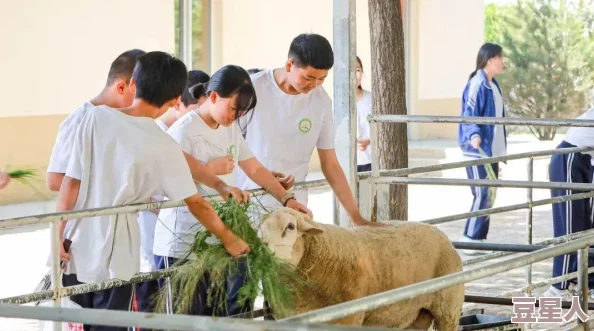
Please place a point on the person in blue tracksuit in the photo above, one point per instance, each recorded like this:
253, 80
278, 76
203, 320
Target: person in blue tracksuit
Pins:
482, 97
571, 216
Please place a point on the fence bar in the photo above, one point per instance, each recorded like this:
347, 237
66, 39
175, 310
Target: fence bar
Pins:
530, 173
544, 283
160, 321
582, 262
515, 248
87, 288
480, 120
55, 268
478, 161
131, 208
426, 287
504, 209
562, 239
508, 302
484, 182
587, 326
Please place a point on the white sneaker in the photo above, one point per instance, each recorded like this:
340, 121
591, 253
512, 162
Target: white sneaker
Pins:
552, 291
471, 251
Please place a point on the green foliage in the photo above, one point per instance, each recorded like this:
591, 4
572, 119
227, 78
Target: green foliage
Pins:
279, 280
548, 48
198, 59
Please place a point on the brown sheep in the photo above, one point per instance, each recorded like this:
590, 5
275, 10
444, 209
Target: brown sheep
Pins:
347, 264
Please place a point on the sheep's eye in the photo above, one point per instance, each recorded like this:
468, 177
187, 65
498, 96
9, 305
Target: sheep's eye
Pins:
291, 226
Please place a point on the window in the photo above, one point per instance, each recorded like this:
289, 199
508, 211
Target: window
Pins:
199, 33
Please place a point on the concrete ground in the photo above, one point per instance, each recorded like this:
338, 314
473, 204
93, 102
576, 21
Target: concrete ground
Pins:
25, 253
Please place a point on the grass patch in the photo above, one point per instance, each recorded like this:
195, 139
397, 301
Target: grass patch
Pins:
278, 279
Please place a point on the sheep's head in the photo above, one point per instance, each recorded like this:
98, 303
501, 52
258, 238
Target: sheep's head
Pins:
282, 229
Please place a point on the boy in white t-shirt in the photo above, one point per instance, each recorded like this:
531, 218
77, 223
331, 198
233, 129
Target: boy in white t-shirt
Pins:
116, 93
293, 117
120, 157
147, 219
211, 135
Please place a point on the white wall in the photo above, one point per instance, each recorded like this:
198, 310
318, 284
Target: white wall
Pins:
450, 35
56, 53
257, 33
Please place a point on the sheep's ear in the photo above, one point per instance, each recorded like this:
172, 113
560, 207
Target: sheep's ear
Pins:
307, 226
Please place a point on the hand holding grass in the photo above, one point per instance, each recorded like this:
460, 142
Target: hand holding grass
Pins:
4, 179
222, 166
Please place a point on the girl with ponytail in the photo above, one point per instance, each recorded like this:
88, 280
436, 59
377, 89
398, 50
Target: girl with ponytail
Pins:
482, 97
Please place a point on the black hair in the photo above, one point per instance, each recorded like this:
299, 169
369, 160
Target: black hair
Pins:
159, 77
361, 65
487, 52
228, 81
313, 50
254, 71
123, 66
194, 77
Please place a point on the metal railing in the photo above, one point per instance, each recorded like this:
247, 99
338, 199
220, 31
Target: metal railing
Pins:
577, 241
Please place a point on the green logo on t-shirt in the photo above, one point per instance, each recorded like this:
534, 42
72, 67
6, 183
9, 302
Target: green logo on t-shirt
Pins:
305, 125
231, 151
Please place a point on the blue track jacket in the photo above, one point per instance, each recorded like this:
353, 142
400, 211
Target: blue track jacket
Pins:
477, 100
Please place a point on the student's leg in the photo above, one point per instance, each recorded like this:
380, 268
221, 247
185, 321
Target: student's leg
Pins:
477, 227
558, 173
145, 294
84, 300
117, 298
571, 216
236, 279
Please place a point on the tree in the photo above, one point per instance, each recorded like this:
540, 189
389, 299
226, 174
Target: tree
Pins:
548, 46
388, 78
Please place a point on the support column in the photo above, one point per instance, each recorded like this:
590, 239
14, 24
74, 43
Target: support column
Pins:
345, 111
185, 32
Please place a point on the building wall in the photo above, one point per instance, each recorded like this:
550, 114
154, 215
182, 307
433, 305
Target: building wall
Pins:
445, 38
56, 56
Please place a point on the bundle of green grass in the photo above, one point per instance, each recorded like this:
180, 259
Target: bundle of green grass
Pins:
22, 175
278, 279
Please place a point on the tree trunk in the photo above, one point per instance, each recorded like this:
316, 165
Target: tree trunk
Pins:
389, 96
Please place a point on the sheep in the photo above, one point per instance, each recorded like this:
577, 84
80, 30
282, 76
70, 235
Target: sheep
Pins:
346, 264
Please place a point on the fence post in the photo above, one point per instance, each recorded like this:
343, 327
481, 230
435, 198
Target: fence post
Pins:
373, 198
583, 282
56, 270
529, 224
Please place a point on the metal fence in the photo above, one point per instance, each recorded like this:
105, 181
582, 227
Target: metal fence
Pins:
575, 242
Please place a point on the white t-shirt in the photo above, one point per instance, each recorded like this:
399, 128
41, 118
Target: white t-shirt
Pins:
161, 125
174, 233
146, 223
363, 129
283, 130
119, 159
582, 136
62, 150
498, 147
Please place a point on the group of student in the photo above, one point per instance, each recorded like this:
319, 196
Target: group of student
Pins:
482, 97
157, 131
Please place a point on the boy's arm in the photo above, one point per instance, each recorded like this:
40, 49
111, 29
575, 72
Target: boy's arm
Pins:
54, 181
337, 180
206, 215
202, 174
67, 198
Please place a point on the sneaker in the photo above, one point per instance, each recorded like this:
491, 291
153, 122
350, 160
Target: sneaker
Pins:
552, 291
471, 251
